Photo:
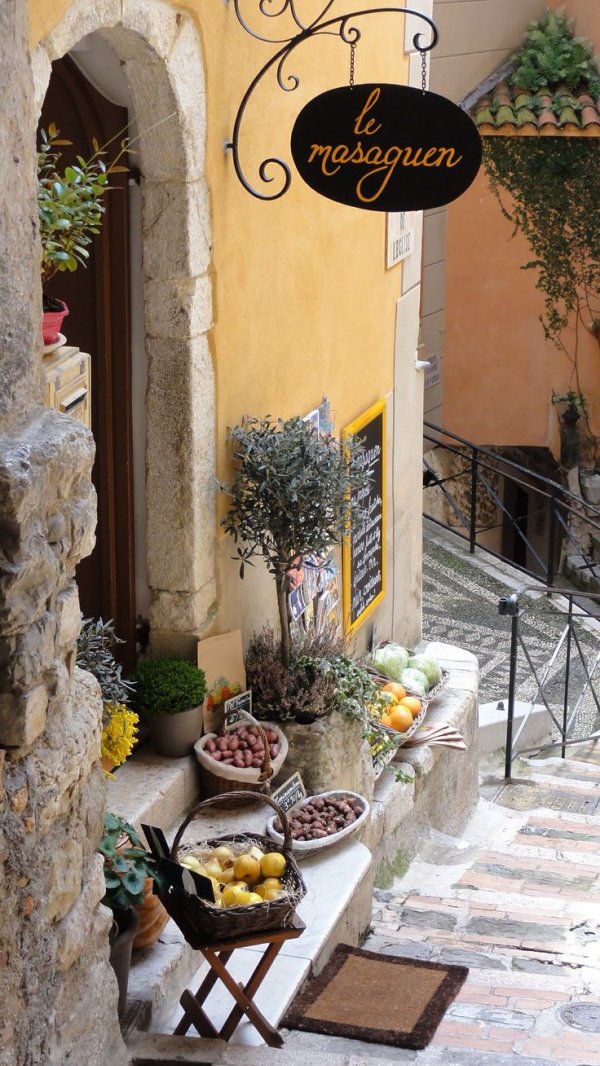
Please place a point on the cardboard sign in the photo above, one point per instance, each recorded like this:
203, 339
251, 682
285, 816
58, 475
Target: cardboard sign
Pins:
385, 147
290, 793
364, 549
232, 707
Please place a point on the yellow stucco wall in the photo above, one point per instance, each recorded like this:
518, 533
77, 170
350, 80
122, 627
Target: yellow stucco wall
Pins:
303, 306
302, 303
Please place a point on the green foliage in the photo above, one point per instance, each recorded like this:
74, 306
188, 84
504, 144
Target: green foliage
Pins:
126, 864
290, 493
71, 201
293, 494
168, 686
298, 691
551, 55
554, 183
94, 654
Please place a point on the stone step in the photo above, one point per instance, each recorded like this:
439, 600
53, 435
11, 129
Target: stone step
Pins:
147, 1049
151, 789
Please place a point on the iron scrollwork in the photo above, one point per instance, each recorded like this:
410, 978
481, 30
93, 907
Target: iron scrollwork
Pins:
342, 26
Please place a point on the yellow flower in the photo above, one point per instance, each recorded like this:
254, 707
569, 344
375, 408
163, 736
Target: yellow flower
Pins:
119, 731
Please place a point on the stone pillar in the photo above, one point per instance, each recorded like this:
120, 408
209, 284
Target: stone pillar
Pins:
58, 994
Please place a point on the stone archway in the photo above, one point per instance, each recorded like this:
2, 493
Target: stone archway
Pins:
162, 61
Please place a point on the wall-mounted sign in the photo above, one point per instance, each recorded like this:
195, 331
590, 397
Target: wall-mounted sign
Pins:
400, 242
386, 147
363, 559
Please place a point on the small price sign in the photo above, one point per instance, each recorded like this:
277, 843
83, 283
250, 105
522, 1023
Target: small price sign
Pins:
232, 707
290, 793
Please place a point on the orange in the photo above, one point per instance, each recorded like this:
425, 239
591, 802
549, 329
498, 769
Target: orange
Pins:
413, 704
396, 690
386, 720
401, 719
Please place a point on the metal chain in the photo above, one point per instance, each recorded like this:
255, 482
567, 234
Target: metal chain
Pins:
352, 51
423, 71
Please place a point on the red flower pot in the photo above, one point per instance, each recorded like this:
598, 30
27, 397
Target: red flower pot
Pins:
52, 322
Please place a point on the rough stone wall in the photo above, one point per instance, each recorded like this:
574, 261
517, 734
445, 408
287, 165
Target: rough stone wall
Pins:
57, 991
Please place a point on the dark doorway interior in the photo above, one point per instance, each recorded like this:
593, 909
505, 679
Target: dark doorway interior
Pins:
99, 323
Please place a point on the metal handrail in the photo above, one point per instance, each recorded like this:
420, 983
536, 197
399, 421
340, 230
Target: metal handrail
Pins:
561, 504
515, 607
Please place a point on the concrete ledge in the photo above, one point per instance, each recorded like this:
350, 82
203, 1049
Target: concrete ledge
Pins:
492, 725
151, 789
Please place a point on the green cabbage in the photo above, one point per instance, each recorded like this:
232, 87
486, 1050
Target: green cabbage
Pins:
390, 660
415, 681
428, 666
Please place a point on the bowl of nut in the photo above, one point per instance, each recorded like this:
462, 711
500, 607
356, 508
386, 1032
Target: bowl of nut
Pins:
321, 820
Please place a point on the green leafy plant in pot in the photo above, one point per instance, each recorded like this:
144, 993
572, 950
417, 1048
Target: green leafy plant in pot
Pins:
71, 203
127, 866
169, 696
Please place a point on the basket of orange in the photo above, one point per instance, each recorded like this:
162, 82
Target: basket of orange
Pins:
399, 713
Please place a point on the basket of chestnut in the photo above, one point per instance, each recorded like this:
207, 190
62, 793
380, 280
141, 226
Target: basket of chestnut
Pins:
247, 753
321, 820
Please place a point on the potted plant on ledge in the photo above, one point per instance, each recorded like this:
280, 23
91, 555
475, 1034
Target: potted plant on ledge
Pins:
129, 873
169, 696
70, 209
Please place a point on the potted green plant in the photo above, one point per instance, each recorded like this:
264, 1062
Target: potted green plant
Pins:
169, 695
70, 208
127, 871
119, 723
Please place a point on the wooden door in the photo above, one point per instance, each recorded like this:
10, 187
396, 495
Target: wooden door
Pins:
98, 298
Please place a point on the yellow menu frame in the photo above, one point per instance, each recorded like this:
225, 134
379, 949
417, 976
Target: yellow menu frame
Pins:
354, 430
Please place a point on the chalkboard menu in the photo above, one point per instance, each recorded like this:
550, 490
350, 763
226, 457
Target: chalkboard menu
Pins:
364, 548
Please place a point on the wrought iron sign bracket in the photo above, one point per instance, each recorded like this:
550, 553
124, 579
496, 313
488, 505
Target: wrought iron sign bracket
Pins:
342, 26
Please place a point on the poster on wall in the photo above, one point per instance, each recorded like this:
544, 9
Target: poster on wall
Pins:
313, 597
363, 557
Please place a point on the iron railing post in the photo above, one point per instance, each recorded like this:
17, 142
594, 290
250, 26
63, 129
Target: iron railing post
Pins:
551, 542
509, 605
473, 522
567, 679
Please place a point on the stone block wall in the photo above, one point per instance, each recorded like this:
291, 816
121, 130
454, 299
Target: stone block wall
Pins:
58, 994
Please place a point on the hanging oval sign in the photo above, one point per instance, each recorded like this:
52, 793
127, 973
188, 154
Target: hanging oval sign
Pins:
386, 147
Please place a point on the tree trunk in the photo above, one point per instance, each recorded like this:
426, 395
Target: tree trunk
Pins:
284, 618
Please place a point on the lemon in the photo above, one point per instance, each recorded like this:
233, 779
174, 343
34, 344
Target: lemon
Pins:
246, 867
272, 882
253, 897
272, 864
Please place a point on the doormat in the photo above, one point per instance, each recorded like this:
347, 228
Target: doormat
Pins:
382, 999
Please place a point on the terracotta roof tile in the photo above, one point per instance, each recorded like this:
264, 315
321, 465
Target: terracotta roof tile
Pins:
557, 111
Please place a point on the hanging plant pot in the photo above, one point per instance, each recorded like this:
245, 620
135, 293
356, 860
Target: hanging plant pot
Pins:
52, 319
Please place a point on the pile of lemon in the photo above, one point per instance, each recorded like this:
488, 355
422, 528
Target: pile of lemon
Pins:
240, 880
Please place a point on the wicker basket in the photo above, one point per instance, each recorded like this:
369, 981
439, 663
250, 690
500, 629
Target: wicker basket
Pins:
219, 779
202, 922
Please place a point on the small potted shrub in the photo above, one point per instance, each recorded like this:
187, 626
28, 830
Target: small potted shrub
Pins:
128, 875
169, 695
70, 208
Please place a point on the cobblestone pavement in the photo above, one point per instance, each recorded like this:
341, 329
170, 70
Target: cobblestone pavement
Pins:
460, 606
517, 901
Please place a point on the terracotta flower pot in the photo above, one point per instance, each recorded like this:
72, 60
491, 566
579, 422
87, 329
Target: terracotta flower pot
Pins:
152, 916
52, 322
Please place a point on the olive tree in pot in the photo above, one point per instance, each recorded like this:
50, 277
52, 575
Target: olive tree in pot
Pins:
169, 695
293, 493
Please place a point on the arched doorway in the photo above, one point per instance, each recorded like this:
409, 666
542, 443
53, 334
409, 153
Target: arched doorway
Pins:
159, 52
98, 298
